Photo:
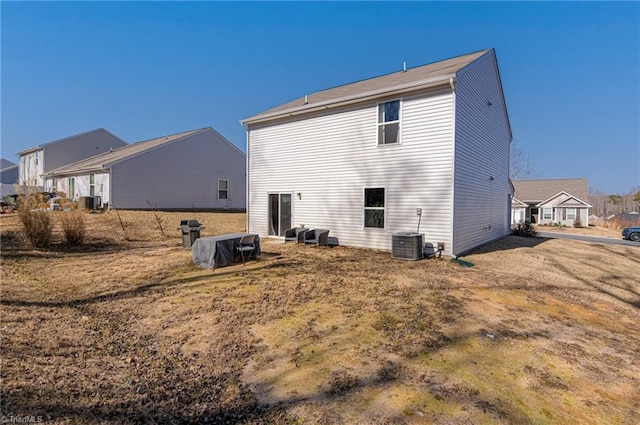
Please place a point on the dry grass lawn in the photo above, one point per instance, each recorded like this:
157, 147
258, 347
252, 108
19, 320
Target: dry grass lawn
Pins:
127, 330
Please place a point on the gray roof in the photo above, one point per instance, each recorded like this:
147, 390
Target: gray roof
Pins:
102, 161
5, 163
378, 86
534, 191
39, 147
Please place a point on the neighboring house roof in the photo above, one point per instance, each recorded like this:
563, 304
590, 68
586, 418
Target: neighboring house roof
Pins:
411, 79
563, 199
40, 147
536, 191
5, 163
517, 203
103, 161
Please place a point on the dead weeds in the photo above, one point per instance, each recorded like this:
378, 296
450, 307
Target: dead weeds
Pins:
130, 331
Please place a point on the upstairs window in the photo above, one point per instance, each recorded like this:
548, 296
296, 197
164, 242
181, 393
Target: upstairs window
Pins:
389, 122
36, 158
223, 189
374, 207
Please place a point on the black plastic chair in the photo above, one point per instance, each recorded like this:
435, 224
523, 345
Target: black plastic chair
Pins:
318, 237
295, 234
247, 246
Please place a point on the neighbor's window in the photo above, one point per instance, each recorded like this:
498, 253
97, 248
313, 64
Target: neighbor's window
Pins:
547, 213
223, 189
571, 213
92, 185
374, 207
36, 158
389, 122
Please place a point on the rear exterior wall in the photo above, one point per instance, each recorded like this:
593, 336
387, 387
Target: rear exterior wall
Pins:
182, 174
330, 158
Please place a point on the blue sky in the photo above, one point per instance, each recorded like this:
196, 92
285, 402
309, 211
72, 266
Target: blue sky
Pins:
570, 70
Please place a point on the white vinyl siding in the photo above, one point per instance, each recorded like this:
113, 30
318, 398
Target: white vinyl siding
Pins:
481, 210
329, 158
30, 169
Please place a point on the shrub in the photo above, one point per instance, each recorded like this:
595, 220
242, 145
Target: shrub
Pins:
577, 223
37, 223
74, 226
524, 229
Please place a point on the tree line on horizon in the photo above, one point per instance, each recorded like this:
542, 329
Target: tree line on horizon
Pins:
603, 204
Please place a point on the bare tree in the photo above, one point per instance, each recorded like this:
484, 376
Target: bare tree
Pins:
521, 166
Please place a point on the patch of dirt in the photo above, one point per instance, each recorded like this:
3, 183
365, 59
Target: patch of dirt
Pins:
127, 330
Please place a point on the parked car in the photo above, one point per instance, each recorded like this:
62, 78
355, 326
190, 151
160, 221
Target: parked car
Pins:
631, 233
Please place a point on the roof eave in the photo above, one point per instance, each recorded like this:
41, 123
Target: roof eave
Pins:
349, 100
30, 150
75, 172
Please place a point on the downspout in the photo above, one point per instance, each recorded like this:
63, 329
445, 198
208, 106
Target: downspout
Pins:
246, 176
453, 167
111, 204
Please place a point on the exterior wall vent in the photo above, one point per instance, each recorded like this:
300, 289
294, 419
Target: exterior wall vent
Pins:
407, 246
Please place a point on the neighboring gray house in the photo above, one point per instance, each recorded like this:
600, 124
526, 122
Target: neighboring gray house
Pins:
196, 169
360, 159
551, 201
36, 161
8, 172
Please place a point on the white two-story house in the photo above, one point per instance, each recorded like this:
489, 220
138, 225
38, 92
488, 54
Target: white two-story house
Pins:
38, 160
363, 159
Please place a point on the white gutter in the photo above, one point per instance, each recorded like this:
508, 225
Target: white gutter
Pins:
351, 99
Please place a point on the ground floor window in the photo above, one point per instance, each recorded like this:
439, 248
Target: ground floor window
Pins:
547, 213
92, 185
571, 213
223, 189
374, 207
71, 188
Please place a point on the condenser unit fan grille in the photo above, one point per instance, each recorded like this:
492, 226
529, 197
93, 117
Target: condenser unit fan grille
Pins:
407, 246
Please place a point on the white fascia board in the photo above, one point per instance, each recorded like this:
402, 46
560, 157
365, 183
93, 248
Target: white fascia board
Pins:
349, 100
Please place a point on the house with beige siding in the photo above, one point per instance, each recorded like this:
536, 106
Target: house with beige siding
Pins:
551, 201
38, 160
363, 159
197, 169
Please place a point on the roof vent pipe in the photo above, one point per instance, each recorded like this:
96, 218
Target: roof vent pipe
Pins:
404, 66
306, 99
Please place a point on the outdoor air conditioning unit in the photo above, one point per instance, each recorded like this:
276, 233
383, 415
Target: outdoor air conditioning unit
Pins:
407, 246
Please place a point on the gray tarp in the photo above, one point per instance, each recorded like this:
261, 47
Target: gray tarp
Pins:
217, 251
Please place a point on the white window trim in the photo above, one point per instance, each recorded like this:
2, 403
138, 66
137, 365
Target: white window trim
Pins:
575, 213
218, 190
364, 208
544, 210
92, 185
399, 121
